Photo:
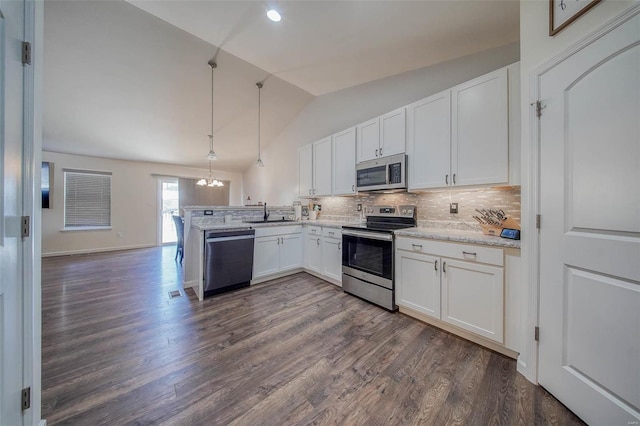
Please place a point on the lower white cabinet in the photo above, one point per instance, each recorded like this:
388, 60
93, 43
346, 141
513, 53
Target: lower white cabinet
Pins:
277, 249
332, 254
313, 252
418, 282
473, 298
445, 281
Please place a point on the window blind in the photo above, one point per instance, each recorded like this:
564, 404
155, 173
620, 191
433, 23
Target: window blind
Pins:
87, 198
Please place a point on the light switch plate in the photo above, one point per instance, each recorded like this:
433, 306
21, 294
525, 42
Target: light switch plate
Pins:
453, 208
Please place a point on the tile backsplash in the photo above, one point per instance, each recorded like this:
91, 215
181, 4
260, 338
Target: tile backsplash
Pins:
432, 207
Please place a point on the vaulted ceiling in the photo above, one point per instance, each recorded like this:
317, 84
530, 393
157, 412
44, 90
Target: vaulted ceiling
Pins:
131, 80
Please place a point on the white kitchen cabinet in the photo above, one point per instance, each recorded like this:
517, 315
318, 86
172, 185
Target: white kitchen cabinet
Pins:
305, 171
418, 282
313, 252
344, 162
473, 298
322, 168
277, 249
382, 136
429, 141
480, 130
332, 254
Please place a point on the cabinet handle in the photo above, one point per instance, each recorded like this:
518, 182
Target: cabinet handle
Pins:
331, 233
435, 265
468, 253
309, 192
417, 246
380, 152
376, 152
282, 240
339, 248
444, 267
446, 179
318, 241
454, 178
353, 188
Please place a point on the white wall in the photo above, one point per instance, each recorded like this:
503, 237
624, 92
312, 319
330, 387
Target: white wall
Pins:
536, 48
277, 182
134, 203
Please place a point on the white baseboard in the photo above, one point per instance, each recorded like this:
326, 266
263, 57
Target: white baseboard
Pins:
97, 250
42, 422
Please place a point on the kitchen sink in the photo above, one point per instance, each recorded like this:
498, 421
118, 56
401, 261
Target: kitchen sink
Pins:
270, 221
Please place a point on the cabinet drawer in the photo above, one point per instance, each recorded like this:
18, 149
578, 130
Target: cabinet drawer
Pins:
314, 230
468, 252
278, 230
331, 233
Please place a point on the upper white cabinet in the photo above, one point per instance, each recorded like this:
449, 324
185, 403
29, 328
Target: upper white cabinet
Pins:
382, 136
480, 130
322, 167
429, 141
344, 162
305, 171
314, 169
461, 137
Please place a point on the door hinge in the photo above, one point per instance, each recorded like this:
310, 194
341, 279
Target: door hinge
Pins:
26, 53
26, 226
536, 334
538, 221
539, 108
26, 398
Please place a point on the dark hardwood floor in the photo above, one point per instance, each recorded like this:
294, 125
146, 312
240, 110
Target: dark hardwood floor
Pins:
118, 350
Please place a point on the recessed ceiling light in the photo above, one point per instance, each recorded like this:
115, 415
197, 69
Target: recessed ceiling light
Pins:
274, 15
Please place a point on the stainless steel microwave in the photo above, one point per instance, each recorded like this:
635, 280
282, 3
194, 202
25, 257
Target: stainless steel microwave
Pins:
382, 174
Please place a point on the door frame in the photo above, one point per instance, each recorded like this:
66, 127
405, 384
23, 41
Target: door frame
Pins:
528, 360
161, 179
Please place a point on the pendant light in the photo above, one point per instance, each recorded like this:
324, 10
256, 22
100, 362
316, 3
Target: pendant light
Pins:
259, 162
212, 154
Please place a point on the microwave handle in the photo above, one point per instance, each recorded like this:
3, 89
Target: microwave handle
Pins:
388, 179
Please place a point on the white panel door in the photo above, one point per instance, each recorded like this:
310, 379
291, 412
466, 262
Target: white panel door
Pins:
429, 142
393, 128
305, 171
589, 350
368, 140
313, 253
266, 256
473, 298
290, 251
322, 167
480, 139
332, 258
344, 162
418, 282
11, 146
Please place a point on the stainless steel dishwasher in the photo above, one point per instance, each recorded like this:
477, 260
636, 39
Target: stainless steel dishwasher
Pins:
228, 260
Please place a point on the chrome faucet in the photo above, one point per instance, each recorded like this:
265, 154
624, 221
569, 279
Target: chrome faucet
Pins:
266, 213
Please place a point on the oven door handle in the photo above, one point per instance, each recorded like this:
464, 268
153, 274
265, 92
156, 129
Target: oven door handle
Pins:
370, 235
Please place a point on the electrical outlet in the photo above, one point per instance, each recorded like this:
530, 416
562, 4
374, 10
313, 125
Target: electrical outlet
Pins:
359, 208
453, 208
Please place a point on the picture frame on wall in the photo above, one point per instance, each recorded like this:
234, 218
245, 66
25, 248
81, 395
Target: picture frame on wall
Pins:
563, 13
46, 184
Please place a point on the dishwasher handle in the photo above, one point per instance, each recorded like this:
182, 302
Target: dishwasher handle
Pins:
221, 239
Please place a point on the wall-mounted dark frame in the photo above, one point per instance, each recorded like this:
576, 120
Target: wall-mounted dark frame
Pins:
555, 5
46, 180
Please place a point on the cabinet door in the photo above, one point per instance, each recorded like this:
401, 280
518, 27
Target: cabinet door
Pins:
313, 253
344, 162
393, 133
480, 140
473, 298
418, 282
290, 251
368, 140
266, 256
322, 167
429, 142
332, 258
305, 171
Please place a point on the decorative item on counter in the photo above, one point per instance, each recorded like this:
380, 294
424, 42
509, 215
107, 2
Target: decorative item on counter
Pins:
493, 222
297, 210
313, 214
305, 211
248, 203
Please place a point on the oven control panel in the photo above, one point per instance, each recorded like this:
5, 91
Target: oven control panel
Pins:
391, 211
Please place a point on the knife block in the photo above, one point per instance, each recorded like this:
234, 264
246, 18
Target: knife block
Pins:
497, 230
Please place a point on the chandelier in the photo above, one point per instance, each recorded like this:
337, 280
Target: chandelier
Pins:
212, 154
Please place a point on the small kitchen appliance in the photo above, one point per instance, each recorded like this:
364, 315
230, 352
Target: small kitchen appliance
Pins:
368, 253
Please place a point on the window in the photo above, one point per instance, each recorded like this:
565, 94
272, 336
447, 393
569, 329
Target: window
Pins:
87, 199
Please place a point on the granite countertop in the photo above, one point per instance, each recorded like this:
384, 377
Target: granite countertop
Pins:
245, 225
458, 236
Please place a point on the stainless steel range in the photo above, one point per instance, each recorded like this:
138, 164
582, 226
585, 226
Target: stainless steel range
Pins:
368, 254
